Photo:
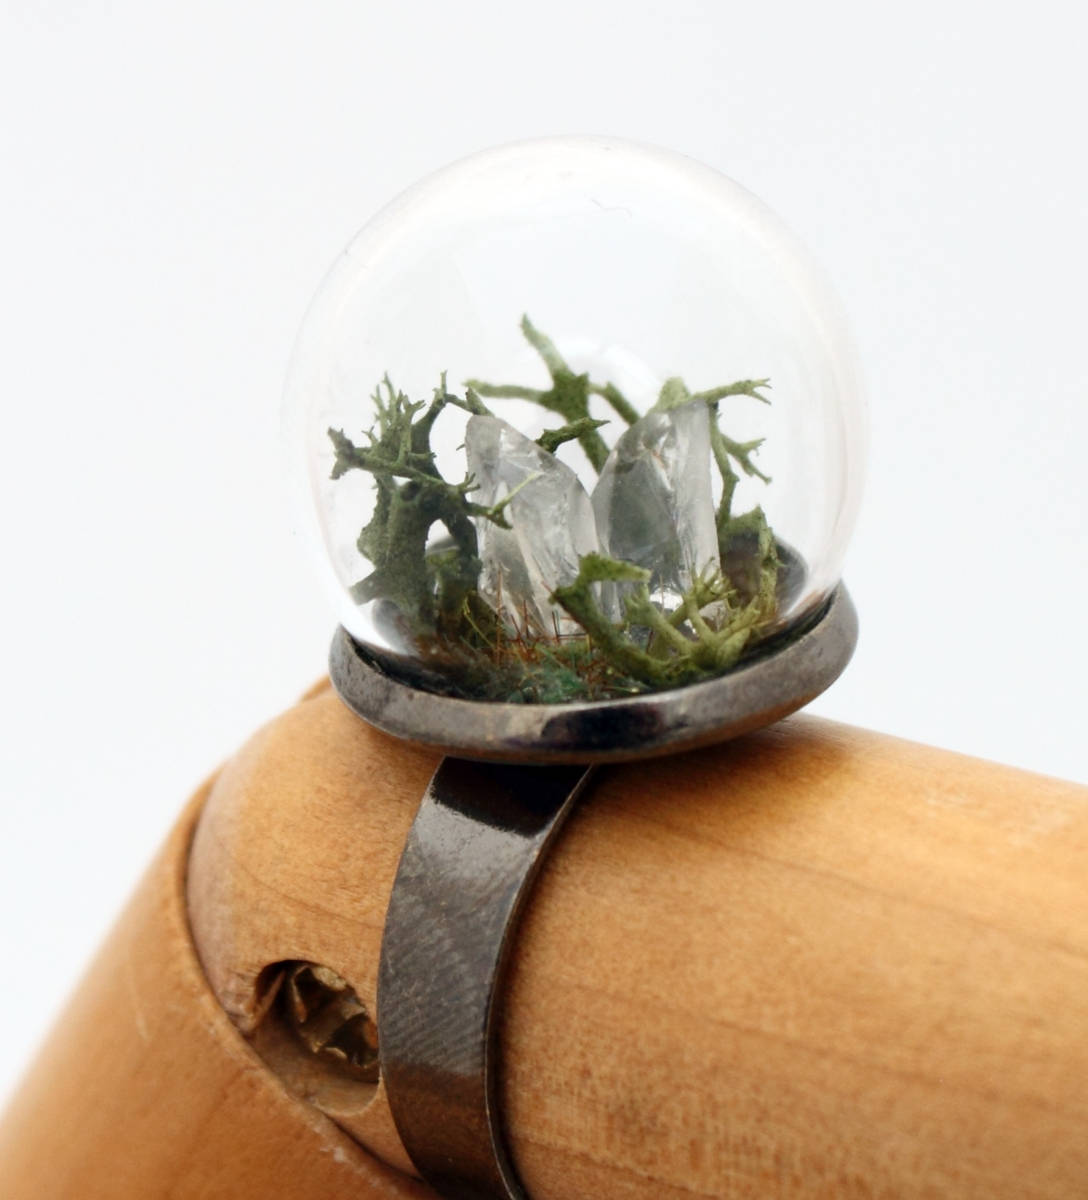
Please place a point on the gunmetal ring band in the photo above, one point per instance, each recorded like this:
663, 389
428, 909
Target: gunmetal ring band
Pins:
474, 850
471, 857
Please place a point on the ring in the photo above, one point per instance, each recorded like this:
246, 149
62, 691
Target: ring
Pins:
559, 549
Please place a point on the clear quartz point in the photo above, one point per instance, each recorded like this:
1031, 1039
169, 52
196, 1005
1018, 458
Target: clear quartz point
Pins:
653, 502
552, 526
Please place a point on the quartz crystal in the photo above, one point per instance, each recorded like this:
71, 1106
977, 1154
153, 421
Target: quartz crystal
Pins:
653, 501
551, 521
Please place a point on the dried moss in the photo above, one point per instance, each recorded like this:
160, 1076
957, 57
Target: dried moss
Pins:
463, 642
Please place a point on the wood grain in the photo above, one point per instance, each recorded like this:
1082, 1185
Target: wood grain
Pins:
145, 1091
818, 962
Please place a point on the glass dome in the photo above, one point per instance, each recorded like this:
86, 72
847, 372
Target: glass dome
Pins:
575, 419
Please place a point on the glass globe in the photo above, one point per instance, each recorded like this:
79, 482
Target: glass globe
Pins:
575, 419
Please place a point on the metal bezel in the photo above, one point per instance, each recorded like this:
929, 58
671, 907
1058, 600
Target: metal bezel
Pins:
765, 688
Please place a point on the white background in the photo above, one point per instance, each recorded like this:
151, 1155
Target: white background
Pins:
177, 179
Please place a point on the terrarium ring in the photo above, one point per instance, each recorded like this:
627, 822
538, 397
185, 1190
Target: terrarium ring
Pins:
582, 442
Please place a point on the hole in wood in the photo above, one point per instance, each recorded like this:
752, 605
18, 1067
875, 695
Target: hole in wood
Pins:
318, 1037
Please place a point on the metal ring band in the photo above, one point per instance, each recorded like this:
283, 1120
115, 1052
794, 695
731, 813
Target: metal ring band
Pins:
472, 854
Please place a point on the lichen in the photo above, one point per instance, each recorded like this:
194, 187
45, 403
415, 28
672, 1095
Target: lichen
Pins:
463, 643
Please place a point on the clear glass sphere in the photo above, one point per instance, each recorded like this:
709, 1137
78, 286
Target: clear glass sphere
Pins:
575, 418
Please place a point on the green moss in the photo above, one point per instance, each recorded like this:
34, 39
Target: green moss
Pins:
462, 641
